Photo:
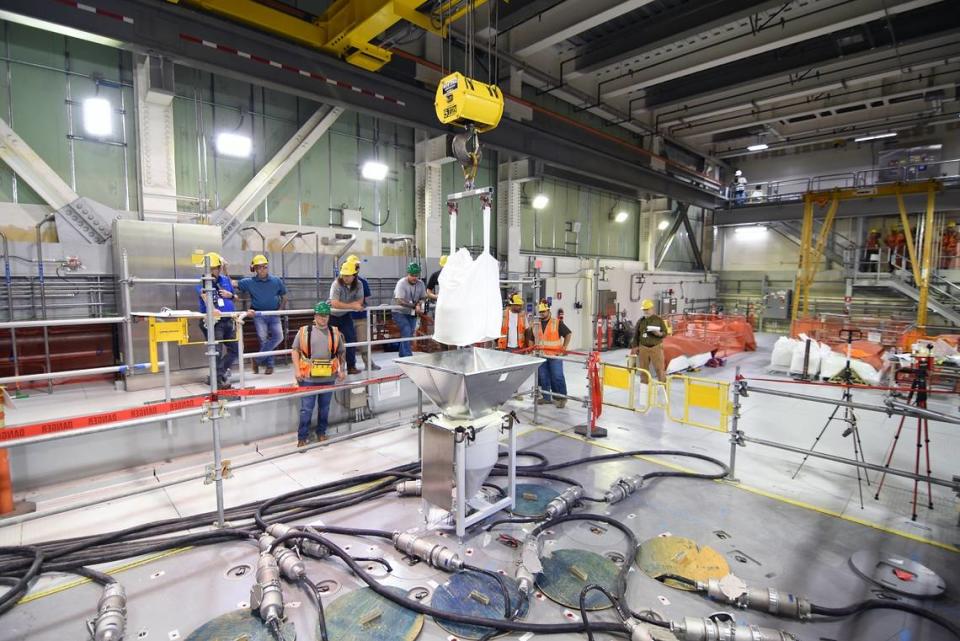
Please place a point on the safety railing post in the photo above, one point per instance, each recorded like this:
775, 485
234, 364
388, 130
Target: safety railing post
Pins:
212, 348
238, 332
735, 427
167, 393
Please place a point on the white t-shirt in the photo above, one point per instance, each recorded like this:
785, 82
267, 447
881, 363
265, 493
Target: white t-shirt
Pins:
512, 323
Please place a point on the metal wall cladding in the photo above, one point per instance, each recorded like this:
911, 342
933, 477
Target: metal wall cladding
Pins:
438, 465
163, 250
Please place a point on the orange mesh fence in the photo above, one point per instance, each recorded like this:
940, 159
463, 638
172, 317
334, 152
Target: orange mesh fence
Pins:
828, 328
724, 334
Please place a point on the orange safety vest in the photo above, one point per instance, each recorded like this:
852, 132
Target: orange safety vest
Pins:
948, 245
548, 340
304, 336
505, 330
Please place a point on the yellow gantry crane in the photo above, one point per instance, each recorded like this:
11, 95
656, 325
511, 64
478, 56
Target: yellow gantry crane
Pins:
346, 29
811, 249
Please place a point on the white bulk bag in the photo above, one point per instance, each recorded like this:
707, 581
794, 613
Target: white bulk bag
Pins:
782, 352
832, 365
796, 362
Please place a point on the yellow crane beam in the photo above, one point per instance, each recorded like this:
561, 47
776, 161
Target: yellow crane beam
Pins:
346, 29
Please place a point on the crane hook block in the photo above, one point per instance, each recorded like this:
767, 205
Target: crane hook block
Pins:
465, 102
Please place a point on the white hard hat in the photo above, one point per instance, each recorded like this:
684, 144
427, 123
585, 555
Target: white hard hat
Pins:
738, 173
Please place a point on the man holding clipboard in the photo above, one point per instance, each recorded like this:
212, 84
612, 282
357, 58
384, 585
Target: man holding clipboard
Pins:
647, 343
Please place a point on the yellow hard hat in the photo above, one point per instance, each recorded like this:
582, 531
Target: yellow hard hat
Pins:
216, 260
353, 258
348, 269
516, 300
952, 223
259, 259
874, 231
543, 307
646, 304
443, 260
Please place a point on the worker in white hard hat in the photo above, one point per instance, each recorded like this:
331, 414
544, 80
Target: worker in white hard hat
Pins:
346, 297
647, 343
550, 338
360, 317
267, 293
433, 283
224, 329
514, 327
739, 188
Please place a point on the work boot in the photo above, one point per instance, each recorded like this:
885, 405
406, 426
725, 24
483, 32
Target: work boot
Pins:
374, 367
352, 370
561, 403
544, 401
256, 367
321, 438
302, 443
268, 371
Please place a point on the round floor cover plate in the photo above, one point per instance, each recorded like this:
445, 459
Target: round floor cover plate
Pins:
899, 575
566, 572
474, 594
532, 499
364, 615
681, 557
239, 624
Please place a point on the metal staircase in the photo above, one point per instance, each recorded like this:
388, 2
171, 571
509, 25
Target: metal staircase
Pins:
943, 299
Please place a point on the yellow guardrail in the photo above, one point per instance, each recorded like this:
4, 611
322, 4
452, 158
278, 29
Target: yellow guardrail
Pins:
707, 394
705, 401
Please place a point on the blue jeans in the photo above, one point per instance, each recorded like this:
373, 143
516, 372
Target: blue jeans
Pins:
270, 333
227, 353
407, 325
307, 403
550, 378
345, 325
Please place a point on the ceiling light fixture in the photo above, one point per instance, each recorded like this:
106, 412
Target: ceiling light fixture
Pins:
875, 137
97, 117
619, 217
758, 147
373, 170
540, 201
234, 145
663, 225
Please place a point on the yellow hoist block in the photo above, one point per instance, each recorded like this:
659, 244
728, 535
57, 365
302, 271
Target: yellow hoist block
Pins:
465, 102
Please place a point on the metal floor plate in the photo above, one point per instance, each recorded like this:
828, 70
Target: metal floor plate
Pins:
567, 572
475, 594
240, 624
364, 615
766, 542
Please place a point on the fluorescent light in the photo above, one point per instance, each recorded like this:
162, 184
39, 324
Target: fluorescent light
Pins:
758, 147
755, 232
234, 145
373, 170
663, 225
540, 201
876, 137
97, 117
620, 217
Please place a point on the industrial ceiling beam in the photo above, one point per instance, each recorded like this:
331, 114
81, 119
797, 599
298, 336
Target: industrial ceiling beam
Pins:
908, 58
565, 21
715, 53
674, 26
232, 217
514, 14
223, 47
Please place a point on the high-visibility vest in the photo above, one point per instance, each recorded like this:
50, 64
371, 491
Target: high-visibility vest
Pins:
548, 340
505, 330
948, 245
304, 336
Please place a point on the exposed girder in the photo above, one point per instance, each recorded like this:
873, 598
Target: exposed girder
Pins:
828, 17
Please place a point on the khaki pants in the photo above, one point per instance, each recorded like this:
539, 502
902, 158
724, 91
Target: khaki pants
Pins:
651, 359
360, 328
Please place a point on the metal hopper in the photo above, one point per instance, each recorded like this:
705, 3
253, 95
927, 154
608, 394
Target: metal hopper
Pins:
471, 382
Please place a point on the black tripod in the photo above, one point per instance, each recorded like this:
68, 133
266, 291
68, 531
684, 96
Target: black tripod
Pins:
917, 397
846, 377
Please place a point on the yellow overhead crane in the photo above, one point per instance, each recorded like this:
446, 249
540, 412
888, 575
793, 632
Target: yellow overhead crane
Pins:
345, 29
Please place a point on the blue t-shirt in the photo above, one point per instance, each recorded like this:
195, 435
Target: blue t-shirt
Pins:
366, 294
264, 293
223, 304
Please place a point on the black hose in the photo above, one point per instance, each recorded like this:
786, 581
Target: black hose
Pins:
321, 619
373, 559
529, 519
22, 584
94, 575
420, 608
583, 604
881, 604
678, 579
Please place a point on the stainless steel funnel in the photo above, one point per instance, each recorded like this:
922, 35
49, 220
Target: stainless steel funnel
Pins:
469, 382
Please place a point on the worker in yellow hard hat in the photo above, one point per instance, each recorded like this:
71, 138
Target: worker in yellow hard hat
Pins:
224, 329
433, 283
360, 317
647, 343
950, 247
514, 327
346, 297
550, 338
266, 293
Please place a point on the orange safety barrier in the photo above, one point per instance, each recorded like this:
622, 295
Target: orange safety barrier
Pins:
6, 486
725, 334
828, 328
